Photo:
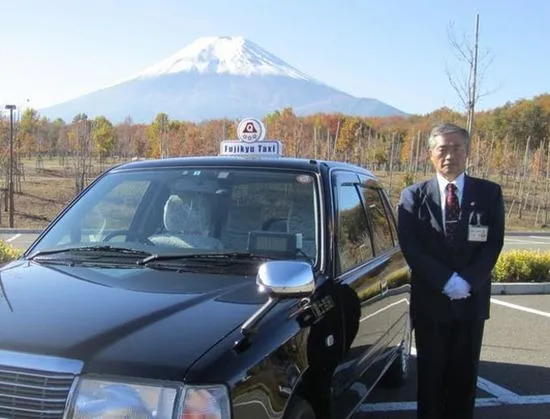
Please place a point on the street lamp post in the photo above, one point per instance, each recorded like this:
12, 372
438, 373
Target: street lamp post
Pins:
10, 173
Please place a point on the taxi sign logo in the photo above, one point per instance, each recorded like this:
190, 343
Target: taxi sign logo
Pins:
251, 133
250, 130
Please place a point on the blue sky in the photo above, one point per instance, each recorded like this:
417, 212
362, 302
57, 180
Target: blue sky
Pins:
395, 50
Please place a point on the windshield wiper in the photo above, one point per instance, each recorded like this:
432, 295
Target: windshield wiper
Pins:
100, 248
223, 256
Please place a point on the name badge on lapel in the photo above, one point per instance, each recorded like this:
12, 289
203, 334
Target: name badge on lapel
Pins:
477, 233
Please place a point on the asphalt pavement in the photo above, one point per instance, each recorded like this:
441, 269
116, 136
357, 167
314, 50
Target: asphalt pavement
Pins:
514, 376
528, 241
19, 238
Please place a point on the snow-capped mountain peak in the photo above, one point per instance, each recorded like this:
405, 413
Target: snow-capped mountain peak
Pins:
216, 77
233, 55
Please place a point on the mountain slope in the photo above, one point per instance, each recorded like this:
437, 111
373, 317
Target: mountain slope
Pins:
217, 77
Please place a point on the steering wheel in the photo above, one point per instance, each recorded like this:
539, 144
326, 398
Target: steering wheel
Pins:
127, 234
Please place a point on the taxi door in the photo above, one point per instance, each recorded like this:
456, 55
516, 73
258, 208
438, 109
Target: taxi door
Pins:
357, 272
393, 312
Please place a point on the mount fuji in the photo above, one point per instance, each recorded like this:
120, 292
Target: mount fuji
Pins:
217, 77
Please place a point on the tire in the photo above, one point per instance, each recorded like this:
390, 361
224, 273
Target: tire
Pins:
398, 372
298, 408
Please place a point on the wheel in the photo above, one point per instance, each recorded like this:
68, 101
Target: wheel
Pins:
298, 408
398, 372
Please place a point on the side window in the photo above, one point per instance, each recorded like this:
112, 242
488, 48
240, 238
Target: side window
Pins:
354, 243
391, 216
382, 231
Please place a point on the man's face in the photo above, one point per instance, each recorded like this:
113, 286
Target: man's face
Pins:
449, 155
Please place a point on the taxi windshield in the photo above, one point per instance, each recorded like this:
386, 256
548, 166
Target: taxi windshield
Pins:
266, 212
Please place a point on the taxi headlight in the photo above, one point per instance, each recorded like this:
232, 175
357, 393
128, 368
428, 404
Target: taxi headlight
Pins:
109, 399
206, 402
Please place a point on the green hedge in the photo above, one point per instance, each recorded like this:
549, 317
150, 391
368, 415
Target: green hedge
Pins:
522, 266
8, 252
512, 265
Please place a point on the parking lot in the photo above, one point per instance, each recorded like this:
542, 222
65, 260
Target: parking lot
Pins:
514, 380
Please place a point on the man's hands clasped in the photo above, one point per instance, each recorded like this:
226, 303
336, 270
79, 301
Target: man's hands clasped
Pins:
457, 288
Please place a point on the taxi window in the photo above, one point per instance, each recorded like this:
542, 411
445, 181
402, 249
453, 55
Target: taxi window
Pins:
390, 214
117, 208
271, 203
105, 211
196, 211
354, 243
381, 228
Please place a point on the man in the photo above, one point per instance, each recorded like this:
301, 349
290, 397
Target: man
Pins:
451, 230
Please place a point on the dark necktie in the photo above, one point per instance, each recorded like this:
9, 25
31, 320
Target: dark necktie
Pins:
452, 211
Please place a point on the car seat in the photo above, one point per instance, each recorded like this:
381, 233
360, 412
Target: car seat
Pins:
186, 224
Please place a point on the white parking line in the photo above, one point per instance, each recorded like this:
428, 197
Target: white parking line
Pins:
480, 402
503, 397
12, 238
487, 386
521, 308
401, 301
495, 390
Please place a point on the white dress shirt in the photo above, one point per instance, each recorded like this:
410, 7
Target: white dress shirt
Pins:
456, 287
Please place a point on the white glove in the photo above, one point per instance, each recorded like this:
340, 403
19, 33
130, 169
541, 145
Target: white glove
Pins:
456, 287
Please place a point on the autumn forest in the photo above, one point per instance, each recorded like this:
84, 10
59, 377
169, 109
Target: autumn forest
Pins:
510, 144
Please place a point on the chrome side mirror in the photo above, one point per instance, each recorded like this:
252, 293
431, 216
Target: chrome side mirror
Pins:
279, 280
286, 279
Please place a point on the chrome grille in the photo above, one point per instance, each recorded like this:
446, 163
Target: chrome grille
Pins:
33, 394
34, 387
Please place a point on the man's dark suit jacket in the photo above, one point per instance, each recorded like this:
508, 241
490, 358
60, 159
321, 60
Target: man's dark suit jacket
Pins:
432, 260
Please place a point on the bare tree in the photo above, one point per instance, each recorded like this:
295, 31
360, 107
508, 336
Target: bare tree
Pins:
82, 152
467, 78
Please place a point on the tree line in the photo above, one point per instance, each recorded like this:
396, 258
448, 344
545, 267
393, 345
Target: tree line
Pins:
379, 141
510, 142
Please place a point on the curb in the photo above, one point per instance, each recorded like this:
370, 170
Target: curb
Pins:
520, 288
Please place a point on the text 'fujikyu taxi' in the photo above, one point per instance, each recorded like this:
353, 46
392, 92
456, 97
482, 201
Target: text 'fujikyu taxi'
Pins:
251, 143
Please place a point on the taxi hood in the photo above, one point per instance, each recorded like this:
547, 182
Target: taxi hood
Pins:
121, 320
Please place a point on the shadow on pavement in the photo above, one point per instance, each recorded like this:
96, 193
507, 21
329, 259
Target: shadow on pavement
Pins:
531, 385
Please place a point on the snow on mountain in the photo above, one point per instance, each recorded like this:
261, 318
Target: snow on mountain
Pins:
224, 55
217, 77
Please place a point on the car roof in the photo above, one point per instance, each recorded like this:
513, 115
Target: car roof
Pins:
225, 161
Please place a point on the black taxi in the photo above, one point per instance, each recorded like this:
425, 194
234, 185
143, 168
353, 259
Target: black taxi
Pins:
208, 287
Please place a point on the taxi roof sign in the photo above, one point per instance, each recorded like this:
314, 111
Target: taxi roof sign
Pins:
250, 130
251, 133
